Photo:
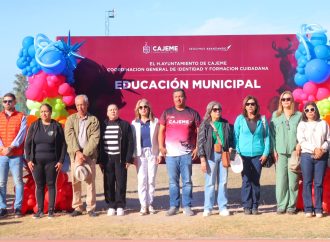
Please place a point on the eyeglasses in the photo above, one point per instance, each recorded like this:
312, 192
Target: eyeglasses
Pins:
216, 109
250, 104
7, 101
309, 110
143, 107
288, 99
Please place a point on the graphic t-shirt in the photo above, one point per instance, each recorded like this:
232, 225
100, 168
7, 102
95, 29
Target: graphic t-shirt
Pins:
180, 130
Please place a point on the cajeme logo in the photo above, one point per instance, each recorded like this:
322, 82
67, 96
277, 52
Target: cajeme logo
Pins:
160, 48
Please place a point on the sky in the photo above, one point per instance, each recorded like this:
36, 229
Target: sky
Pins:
19, 18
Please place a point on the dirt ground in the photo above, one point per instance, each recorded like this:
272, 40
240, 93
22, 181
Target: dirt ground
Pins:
267, 225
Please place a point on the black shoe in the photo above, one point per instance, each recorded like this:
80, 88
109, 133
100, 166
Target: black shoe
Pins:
18, 213
38, 215
3, 213
51, 214
75, 213
92, 214
247, 211
255, 211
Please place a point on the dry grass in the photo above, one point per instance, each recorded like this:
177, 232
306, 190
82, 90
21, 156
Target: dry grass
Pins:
158, 226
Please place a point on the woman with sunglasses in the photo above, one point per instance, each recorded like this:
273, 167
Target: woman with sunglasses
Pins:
283, 128
45, 149
214, 130
145, 130
253, 144
314, 137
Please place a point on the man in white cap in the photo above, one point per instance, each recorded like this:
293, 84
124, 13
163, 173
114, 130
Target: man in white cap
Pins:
82, 135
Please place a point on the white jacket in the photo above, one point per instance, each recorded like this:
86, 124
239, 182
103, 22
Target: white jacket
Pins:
136, 128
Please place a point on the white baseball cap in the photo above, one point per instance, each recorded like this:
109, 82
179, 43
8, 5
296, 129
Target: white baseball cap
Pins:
237, 164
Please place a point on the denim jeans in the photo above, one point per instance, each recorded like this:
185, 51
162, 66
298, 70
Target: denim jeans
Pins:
313, 170
15, 165
177, 165
251, 182
215, 172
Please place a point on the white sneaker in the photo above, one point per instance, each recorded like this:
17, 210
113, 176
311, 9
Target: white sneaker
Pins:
120, 212
151, 209
319, 215
225, 212
308, 215
111, 212
206, 213
143, 211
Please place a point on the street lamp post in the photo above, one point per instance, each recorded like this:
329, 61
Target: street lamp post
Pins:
108, 15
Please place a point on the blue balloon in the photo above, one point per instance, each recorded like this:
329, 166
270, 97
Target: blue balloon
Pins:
54, 62
317, 71
300, 79
19, 63
322, 52
298, 54
319, 39
300, 70
27, 41
302, 61
31, 51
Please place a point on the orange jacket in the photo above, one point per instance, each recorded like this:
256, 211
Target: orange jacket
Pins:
9, 128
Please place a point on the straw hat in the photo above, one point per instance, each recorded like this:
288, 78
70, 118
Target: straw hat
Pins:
82, 172
237, 164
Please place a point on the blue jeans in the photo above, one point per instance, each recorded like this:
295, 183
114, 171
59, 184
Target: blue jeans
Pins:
177, 165
313, 170
215, 171
15, 165
251, 182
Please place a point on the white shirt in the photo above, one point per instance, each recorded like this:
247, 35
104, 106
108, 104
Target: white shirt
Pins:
313, 135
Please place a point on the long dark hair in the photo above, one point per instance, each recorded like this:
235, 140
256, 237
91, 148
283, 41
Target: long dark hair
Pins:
317, 113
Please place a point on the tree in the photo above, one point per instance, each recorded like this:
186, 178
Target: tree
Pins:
20, 86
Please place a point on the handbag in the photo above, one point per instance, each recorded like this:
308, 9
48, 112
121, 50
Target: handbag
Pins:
294, 163
225, 155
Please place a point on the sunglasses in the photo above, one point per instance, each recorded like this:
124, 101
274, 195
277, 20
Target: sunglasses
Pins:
7, 101
143, 107
250, 104
309, 110
288, 99
216, 109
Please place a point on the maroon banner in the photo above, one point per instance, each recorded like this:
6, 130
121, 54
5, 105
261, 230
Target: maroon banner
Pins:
122, 70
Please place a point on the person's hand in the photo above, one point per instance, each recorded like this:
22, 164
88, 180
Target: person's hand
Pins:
158, 159
203, 164
135, 162
80, 157
263, 159
127, 165
318, 153
298, 149
194, 154
58, 166
7, 151
275, 156
163, 151
30, 165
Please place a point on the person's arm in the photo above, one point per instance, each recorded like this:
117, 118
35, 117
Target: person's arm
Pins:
237, 127
161, 139
130, 145
63, 144
325, 145
28, 143
94, 139
70, 136
19, 139
266, 140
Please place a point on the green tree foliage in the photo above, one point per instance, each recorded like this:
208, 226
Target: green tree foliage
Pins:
20, 86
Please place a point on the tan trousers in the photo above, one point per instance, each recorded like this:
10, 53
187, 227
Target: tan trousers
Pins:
77, 203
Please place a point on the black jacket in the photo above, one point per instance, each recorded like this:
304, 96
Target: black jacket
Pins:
60, 145
126, 142
205, 141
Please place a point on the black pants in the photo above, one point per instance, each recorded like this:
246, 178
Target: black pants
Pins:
115, 182
44, 172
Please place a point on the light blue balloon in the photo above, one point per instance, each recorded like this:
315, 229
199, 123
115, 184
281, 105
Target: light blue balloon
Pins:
317, 71
318, 39
298, 54
321, 52
302, 61
300, 70
300, 79
31, 51
27, 41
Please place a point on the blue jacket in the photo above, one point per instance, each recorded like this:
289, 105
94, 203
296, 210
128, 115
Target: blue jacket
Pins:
248, 144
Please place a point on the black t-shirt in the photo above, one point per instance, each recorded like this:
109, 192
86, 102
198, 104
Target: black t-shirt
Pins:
44, 140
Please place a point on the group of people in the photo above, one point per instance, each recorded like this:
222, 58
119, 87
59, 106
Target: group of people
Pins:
179, 136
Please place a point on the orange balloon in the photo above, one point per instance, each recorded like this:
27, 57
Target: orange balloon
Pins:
327, 118
31, 119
